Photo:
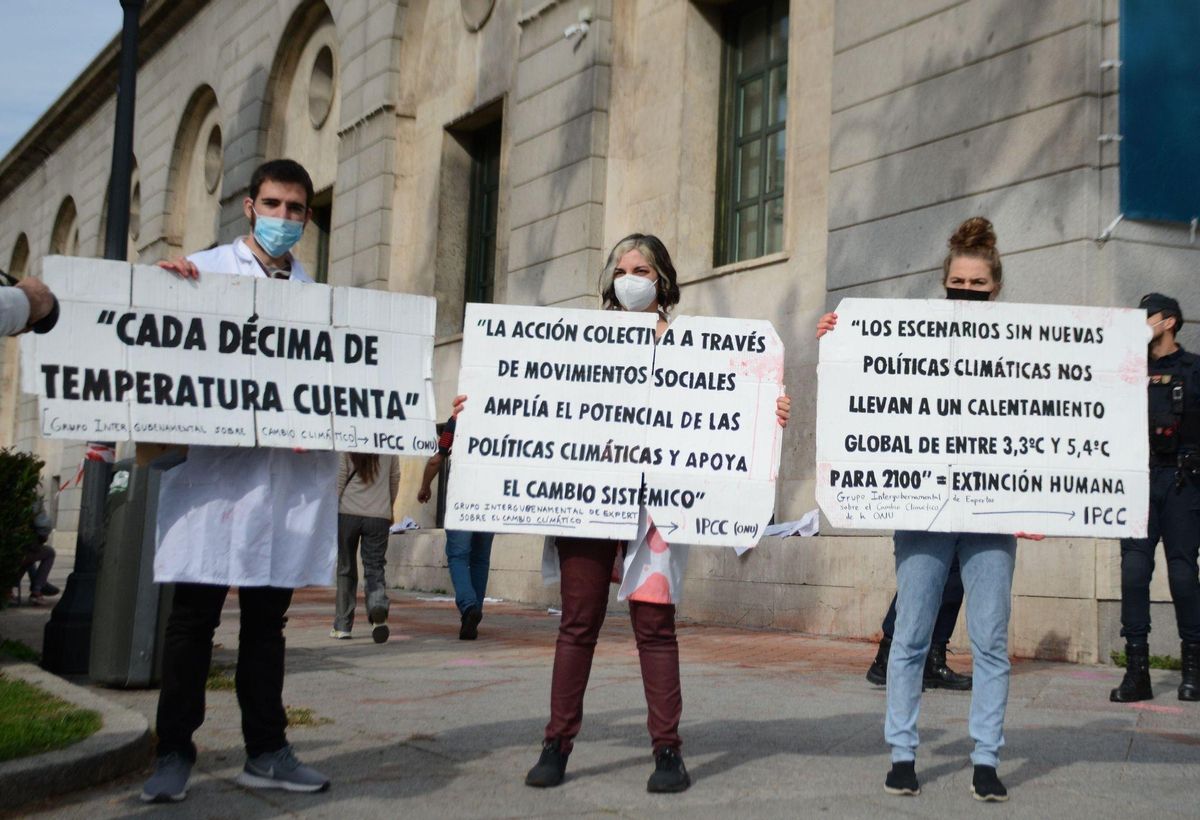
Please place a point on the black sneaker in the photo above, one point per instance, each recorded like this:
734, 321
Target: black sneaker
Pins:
469, 630
551, 766
670, 775
902, 779
379, 628
986, 786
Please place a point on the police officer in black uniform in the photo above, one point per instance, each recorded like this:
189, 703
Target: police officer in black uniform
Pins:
1174, 404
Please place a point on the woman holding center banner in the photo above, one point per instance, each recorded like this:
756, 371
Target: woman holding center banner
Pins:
971, 270
638, 276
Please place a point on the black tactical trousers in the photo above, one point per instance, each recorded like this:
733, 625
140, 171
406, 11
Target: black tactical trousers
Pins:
1175, 518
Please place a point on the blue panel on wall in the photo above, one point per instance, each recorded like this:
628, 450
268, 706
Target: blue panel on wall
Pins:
1160, 109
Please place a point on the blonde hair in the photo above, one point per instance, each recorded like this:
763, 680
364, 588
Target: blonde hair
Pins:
651, 247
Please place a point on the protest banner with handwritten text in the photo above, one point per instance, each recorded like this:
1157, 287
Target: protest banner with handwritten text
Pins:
576, 419
983, 417
139, 354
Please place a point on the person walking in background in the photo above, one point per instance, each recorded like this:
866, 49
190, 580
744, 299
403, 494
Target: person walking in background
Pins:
367, 485
468, 554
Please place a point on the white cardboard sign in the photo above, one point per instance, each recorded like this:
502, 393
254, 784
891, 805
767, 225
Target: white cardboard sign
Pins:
140, 354
962, 416
575, 418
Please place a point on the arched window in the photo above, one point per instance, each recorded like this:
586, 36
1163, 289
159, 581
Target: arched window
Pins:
64, 239
18, 264
197, 170
301, 115
135, 217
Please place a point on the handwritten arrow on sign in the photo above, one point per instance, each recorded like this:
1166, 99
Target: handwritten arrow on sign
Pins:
663, 527
1069, 515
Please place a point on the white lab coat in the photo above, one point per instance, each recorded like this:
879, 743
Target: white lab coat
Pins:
648, 572
247, 516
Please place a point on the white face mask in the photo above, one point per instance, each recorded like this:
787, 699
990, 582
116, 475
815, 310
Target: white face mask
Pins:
635, 292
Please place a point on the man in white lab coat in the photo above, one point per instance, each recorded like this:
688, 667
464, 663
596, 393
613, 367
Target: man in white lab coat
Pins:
261, 519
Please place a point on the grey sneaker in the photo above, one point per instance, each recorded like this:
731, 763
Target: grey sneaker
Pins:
169, 782
281, 770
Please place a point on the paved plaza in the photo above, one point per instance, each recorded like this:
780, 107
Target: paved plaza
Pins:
775, 725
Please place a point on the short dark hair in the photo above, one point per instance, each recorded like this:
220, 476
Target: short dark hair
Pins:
282, 170
1154, 303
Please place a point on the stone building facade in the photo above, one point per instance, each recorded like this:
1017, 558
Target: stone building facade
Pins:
789, 152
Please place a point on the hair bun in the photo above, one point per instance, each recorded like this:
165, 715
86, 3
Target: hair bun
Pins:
974, 233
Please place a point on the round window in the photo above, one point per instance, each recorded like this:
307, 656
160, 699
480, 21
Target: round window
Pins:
212, 160
476, 12
320, 87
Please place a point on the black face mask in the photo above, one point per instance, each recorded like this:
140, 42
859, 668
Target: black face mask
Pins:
968, 295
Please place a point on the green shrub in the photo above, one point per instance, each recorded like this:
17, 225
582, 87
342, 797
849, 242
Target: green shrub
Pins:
1156, 661
19, 476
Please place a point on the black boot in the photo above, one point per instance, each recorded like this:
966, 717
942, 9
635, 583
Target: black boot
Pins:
1136, 683
551, 766
670, 775
877, 674
1189, 688
940, 676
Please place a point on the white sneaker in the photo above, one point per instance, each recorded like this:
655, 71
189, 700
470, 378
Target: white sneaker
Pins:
339, 635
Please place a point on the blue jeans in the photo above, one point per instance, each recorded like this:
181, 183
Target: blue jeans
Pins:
922, 563
468, 554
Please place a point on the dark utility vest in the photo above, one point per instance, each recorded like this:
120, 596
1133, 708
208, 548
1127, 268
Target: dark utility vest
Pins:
1174, 408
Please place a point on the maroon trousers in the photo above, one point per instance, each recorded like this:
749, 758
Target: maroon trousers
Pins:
586, 567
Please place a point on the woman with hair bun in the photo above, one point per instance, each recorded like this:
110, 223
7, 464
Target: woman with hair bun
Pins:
971, 270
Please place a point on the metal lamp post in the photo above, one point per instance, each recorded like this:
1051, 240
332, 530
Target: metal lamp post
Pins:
66, 642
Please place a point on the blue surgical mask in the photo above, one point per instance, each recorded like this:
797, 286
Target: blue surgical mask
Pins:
276, 236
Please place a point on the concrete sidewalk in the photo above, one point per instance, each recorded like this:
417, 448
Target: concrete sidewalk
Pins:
775, 725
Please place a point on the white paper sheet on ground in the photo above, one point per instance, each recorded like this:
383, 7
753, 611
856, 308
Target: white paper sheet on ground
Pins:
806, 527
576, 418
444, 600
983, 417
404, 524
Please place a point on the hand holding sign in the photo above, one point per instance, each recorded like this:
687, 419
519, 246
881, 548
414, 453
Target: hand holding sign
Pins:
983, 417
579, 419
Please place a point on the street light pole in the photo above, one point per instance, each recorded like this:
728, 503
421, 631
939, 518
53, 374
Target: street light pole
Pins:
66, 643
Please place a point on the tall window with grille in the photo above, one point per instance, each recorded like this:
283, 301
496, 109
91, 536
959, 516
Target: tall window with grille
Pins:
753, 132
481, 224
